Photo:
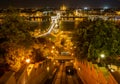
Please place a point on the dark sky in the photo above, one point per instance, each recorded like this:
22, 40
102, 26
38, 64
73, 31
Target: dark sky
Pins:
57, 3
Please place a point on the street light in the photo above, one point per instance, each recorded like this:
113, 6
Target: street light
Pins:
102, 55
52, 51
53, 47
27, 60
48, 68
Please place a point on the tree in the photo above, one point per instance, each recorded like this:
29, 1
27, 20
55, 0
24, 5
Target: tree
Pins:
67, 26
15, 38
37, 55
14, 28
16, 42
93, 38
44, 25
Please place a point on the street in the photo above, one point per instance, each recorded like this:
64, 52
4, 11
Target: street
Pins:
62, 78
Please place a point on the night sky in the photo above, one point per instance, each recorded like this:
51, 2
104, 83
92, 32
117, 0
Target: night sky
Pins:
58, 3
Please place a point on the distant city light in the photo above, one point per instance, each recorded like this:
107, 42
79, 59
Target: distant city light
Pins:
85, 8
106, 7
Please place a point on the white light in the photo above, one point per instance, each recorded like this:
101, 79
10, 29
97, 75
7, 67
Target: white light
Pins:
105, 7
102, 55
69, 70
112, 70
27, 60
56, 25
85, 8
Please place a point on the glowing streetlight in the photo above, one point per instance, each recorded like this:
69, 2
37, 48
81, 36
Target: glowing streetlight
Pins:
53, 47
56, 25
52, 51
102, 55
48, 68
27, 60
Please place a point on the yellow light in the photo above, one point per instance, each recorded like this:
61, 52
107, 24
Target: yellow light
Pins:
52, 51
72, 54
27, 60
56, 60
79, 68
63, 8
48, 68
53, 47
71, 61
54, 63
102, 55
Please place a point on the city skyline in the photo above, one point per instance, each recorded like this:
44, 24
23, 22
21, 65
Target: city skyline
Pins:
58, 3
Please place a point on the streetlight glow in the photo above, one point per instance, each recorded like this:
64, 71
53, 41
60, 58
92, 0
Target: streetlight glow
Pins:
27, 60
102, 55
53, 47
48, 68
52, 51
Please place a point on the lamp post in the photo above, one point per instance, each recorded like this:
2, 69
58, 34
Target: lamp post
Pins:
102, 56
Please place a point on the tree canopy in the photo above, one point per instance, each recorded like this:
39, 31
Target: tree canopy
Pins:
93, 38
16, 41
15, 29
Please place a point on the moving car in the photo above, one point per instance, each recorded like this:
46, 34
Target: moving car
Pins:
69, 69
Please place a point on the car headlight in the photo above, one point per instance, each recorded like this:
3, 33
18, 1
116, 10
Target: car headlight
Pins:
69, 70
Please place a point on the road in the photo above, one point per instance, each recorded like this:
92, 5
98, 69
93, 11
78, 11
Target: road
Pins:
62, 78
